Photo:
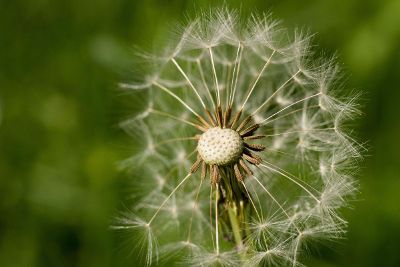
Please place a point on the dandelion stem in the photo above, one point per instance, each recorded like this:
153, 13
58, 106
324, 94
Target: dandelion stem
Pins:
232, 212
216, 218
211, 222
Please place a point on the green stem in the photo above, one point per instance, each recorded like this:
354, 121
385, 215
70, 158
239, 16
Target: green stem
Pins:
235, 227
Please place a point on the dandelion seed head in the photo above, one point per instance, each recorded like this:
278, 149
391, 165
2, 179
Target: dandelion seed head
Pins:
220, 146
244, 145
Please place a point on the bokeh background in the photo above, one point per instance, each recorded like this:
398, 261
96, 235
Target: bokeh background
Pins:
60, 62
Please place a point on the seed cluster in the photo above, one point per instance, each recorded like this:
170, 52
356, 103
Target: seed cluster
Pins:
220, 146
224, 142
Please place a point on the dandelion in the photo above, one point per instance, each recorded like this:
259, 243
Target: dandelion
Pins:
242, 157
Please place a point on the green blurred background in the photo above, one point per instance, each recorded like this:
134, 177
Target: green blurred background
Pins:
60, 62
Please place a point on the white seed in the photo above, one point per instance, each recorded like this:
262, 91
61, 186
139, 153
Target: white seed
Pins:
220, 146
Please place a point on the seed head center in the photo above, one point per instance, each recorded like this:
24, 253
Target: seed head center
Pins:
220, 146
